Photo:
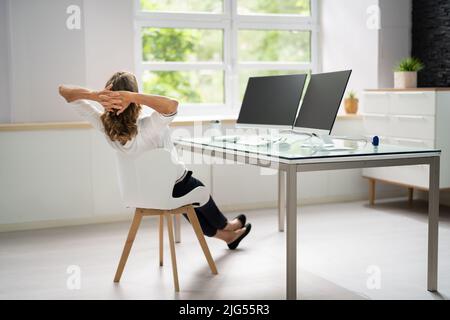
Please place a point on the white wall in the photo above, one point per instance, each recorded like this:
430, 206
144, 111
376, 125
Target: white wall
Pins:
44, 54
45, 176
109, 38
5, 105
395, 38
347, 42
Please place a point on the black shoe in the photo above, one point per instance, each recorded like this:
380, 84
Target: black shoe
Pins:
233, 245
242, 219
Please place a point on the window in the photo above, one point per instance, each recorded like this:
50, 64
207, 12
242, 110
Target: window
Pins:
202, 52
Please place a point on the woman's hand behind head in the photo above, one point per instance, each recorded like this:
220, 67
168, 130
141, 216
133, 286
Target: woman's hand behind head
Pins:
115, 101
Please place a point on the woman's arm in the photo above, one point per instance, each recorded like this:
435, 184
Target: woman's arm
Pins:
122, 99
160, 104
77, 93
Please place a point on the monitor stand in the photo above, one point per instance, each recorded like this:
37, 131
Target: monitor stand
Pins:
292, 131
326, 140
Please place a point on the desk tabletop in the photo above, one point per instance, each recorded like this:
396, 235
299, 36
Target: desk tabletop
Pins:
299, 149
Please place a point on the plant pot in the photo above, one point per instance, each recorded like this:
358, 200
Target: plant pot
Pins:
404, 80
351, 105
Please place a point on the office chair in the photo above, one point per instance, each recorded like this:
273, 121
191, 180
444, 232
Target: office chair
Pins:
146, 183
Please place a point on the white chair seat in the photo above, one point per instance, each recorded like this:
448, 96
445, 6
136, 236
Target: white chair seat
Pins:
147, 181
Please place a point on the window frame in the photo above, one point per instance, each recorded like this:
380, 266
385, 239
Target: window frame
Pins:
230, 22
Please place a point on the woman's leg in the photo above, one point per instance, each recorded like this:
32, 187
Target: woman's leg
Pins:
208, 229
210, 217
212, 214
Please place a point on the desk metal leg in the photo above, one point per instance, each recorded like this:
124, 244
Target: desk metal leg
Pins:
291, 233
433, 224
281, 199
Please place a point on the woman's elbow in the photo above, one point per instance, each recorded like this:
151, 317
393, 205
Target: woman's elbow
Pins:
63, 92
173, 106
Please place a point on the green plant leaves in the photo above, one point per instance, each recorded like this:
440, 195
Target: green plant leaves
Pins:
410, 65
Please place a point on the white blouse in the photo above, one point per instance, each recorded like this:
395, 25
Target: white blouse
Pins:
153, 132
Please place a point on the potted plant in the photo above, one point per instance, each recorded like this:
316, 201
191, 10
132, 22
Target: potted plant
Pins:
405, 75
351, 103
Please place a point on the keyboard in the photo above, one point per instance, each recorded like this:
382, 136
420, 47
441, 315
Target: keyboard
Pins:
231, 139
254, 141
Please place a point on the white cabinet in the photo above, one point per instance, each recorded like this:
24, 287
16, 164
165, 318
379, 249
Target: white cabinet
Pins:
417, 118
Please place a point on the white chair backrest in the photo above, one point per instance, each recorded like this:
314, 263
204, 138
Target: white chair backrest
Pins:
146, 181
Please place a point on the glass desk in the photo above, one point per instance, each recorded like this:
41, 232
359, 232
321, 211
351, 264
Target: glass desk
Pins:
297, 156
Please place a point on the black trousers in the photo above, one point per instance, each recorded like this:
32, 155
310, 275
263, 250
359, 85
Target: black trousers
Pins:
210, 217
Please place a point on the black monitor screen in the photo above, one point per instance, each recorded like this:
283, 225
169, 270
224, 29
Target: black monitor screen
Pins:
272, 101
322, 100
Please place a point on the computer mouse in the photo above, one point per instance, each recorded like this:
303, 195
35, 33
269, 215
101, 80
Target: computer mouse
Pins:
376, 141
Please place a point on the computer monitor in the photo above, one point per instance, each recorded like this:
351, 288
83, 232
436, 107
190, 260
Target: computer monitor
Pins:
271, 101
321, 102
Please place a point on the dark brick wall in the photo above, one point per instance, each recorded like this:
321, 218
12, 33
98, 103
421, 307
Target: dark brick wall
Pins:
431, 41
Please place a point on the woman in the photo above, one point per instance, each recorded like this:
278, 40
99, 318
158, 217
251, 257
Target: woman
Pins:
126, 132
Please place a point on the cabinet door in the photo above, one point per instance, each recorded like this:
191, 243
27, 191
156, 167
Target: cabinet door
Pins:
376, 102
413, 103
413, 127
414, 143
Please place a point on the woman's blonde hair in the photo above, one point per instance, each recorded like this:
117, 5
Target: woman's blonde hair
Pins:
122, 127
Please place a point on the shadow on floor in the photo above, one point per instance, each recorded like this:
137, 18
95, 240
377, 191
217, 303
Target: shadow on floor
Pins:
438, 296
310, 286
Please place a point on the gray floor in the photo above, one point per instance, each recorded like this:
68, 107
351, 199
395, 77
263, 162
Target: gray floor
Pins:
342, 247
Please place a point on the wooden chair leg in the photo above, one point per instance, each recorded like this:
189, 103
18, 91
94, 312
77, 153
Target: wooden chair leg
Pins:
410, 196
372, 185
201, 239
177, 221
172, 250
161, 240
128, 244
